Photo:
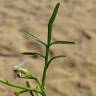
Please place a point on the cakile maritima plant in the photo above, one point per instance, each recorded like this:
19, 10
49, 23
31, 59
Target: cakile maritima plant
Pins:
20, 72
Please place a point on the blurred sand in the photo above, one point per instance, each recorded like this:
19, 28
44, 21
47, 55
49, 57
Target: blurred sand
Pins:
74, 75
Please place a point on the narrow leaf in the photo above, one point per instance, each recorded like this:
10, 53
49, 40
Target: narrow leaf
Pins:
23, 91
28, 34
55, 57
32, 53
54, 14
17, 94
51, 22
62, 42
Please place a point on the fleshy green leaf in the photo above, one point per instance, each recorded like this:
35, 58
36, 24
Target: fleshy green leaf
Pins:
29, 34
51, 22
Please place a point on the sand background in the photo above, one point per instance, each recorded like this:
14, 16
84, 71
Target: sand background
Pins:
74, 75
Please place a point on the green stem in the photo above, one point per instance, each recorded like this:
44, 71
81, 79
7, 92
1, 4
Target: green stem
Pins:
38, 82
45, 67
18, 86
49, 41
28, 85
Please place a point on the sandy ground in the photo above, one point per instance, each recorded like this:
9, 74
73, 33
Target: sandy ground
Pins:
74, 75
